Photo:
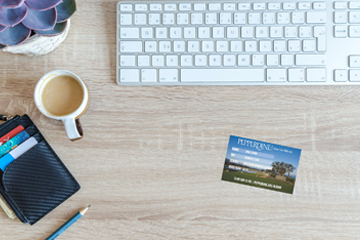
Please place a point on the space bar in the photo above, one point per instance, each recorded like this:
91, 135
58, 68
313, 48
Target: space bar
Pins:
222, 75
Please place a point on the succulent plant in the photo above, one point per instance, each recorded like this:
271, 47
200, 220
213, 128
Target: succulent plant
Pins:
19, 19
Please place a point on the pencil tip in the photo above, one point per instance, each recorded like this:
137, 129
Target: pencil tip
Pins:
89, 206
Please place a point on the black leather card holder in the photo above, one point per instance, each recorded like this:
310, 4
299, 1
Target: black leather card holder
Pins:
36, 182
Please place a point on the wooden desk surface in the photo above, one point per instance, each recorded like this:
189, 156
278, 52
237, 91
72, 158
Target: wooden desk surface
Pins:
152, 157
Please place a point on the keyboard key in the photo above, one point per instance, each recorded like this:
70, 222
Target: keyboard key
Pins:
272, 60
274, 6
150, 46
316, 75
172, 60
305, 32
296, 75
200, 60
214, 6
319, 33
179, 46
131, 46
199, 7
232, 32
125, 19
215, 60
265, 46
127, 61
140, 19
259, 6
225, 18
280, 46
298, 17
141, 7
289, 6
186, 60
340, 5
354, 31
236, 46
155, 7
244, 6
340, 17
193, 46
309, 45
287, 60
229, 60
170, 7
294, 46
258, 60
354, 17
276, 75
354, 61
129, 75
126, 7
229, 7
243, 60
164, 46
310, 60
250, 46
340, 31
239, 18
354, 5
304, 5
341, 76
354, 75
316, 17
222, 46
129, 33
276, 32
283, 18
168, 19
247, 32
175, 32
182, 19
196, 18
154, 19
184, 6
157, 60
189, 32
254, 18
143, 61
208, 46
319, 5
147, 33
218, 32
168, 75
268, 18
148, 75
220, 75
161, 32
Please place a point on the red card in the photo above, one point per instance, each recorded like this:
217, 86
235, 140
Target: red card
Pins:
11, 134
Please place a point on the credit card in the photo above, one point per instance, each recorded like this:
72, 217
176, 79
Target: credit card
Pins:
11, 134
17, 152
13, 143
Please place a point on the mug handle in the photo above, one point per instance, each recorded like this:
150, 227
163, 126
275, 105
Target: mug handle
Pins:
73, 128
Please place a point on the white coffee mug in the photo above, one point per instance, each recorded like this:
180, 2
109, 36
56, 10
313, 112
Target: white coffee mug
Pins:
71, 121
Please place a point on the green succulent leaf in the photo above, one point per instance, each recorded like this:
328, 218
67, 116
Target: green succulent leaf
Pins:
65, 10
58, 29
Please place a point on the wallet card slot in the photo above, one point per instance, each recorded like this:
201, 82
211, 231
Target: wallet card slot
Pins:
31, 130
37, 182
24, 121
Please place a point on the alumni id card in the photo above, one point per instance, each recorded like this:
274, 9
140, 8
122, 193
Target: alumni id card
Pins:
261, 164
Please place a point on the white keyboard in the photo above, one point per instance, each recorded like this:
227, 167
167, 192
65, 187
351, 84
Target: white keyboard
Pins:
238, 43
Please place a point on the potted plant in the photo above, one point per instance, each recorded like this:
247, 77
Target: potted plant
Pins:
34, 27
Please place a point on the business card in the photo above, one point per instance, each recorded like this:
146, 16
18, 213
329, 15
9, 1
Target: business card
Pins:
261, 164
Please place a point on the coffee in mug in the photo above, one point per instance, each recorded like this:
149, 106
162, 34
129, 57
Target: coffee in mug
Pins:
62, 95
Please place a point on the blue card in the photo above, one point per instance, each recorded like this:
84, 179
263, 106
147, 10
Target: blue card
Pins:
261, 164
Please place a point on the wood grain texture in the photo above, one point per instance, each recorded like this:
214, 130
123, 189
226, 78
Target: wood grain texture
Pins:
152, 157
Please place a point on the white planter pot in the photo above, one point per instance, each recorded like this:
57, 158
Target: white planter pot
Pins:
38, 45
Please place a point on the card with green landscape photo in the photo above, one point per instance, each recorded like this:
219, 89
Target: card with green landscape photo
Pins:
261, 164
